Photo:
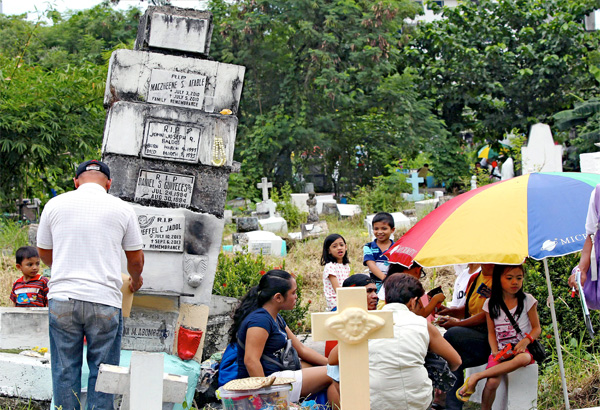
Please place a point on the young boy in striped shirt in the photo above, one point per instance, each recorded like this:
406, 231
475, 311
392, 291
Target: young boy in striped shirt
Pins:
30, 290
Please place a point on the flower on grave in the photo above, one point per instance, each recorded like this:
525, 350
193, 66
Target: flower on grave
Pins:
548, 336
226, 111
262, 272
224, 285
309, 301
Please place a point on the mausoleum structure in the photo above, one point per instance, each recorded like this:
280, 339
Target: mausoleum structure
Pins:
169, 141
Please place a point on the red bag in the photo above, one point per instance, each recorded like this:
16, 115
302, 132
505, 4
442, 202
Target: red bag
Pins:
188, 341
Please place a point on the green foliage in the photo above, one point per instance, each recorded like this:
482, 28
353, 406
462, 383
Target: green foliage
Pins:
51, 89
285, 206
339, 106
583, 122
568, 310
238, 273
492, 65
13, 234
450, 162
385, 193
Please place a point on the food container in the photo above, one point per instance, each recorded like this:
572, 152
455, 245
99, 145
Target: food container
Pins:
267, 398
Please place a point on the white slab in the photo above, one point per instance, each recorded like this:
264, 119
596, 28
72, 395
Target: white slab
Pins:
179, 33
517, 390
23, 328
264, 241
348, 210
26, 377
175, 189
273, 224
149, 330
130, 73
401, 222
170, 134
541, 154
590, 162
300, 201
422, 208
321, 199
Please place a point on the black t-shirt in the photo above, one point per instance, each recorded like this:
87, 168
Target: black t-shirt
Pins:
277, 339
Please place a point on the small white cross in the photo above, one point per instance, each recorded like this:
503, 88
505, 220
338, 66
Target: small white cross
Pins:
264, 185
353, 325
143, 385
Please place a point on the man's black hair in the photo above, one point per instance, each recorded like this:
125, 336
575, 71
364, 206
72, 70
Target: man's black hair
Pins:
26, 252
384, 217
358, 279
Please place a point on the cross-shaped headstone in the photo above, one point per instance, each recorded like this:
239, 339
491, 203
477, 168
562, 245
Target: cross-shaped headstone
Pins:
353, 325
264, 185
414, 180
143, 385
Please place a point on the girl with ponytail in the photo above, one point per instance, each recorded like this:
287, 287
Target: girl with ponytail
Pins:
259, 330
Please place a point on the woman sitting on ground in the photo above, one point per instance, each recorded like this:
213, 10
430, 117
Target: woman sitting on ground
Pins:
398, 378
262, 332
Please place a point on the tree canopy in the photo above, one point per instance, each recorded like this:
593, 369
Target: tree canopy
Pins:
51, 89
492, 65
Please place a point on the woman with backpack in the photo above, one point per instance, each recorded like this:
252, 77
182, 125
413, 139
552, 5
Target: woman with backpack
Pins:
262, 336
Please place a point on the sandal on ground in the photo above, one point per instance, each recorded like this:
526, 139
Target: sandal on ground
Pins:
437, 406
465, 396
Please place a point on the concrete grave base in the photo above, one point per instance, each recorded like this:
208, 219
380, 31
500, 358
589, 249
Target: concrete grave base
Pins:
25, 377
257, 242
517, 391
314, 229
422, 208
275, 224
23, 328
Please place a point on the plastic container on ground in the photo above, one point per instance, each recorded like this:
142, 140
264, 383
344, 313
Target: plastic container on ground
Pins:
267, 398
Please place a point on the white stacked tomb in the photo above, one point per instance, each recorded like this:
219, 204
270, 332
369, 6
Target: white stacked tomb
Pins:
169, 140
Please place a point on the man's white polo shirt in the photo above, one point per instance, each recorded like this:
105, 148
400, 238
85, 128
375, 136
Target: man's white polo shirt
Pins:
86, 230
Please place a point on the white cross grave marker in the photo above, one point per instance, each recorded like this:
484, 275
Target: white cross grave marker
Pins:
414, 181
353, 325
143, 385
265, 185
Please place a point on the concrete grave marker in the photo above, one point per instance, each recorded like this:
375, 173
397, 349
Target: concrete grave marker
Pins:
131, 73
415, 180
264, 185
541, 154
162, 233
172, 28
175, 189
353, 325
143, 385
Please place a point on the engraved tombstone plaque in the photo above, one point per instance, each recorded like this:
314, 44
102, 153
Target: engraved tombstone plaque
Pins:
176, 88
169, 140
162, 232
175, 189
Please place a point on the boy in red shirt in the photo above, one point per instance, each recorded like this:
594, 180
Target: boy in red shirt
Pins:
30, 290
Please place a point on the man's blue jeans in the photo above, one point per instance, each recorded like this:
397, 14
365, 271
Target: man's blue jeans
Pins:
474, 349
69, 322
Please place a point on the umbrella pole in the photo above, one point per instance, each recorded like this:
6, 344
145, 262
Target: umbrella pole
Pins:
557, 337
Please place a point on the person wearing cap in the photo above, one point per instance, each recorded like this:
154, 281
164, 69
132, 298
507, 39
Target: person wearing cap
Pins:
81, 236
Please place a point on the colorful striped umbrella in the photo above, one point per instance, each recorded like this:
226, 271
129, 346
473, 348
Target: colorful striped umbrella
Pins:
535, 215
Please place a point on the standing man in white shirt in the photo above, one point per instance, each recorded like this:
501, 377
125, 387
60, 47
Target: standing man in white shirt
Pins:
81, 237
